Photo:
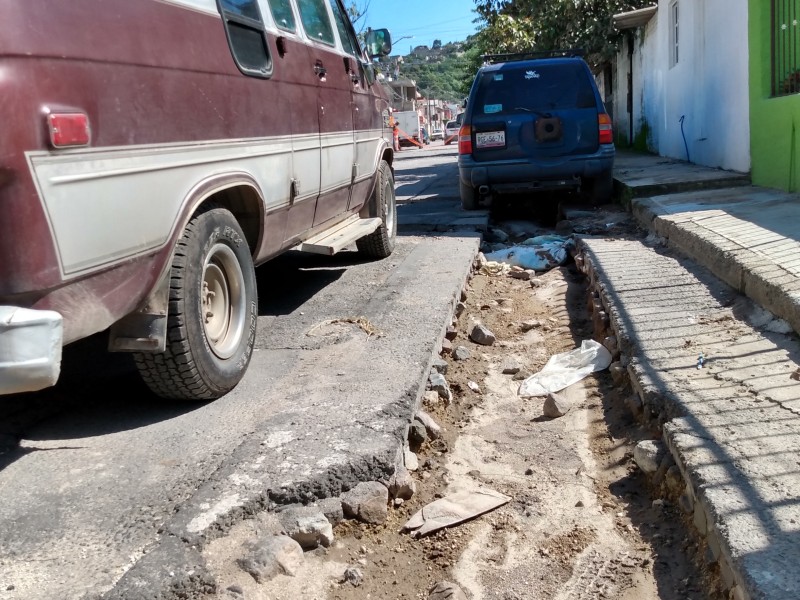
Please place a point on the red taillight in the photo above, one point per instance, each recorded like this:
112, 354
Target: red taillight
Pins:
68, 129
606, 133
465, 140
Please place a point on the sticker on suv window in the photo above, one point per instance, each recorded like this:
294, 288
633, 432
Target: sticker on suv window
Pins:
498, 77
492, 108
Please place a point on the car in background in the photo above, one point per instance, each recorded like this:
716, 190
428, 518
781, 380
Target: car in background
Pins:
437, 134
450, 132
535, 124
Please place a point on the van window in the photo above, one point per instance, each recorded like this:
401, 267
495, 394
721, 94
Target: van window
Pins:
349, 40
283, 15
316, 22
534, 88
245, 31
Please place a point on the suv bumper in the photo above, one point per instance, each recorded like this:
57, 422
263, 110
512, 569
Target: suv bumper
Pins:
30, 349
522, 175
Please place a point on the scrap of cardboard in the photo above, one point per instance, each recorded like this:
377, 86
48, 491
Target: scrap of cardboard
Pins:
453, 509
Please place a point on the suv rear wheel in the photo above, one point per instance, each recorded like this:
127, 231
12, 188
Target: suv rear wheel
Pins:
599, 189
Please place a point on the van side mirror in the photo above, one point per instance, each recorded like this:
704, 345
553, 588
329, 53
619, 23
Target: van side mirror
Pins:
378, 42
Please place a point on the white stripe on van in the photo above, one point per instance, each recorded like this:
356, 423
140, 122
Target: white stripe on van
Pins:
129, 197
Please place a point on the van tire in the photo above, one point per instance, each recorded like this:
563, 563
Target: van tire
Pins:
469, 196
600, 189
213, 308
380, 243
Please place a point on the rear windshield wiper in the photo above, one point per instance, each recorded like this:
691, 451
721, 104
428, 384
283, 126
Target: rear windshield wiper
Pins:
544, 115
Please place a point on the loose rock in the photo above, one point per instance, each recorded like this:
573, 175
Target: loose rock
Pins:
353, 576
367, 502
431, 426
417, 434
536, 282
439, 366
523, 274
307, 526
444, 590
480, 334
332, 509
460, 353
526, 326
402, 485
555, 406
439, 385
511, 367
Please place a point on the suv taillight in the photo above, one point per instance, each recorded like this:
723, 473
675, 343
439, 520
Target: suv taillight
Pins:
606, 133
465, 140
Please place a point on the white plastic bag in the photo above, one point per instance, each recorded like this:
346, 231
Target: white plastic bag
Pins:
562, 370
540, 253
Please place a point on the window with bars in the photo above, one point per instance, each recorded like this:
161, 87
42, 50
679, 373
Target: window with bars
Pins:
785, 26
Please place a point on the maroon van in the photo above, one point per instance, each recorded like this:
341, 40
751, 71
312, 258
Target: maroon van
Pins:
154, 151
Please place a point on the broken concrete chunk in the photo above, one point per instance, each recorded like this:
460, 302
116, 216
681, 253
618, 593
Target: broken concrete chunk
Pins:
460, 308
555, 406
444, 590
451, 333
611, 344
522, 274
452, 510
275, 555
367, 502
431, 398
482, 335
510, 367
648, 455
447, 346
307, 526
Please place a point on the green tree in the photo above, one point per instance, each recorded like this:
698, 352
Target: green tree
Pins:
544, 25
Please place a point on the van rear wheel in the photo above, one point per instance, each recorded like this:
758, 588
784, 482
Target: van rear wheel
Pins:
380, 243
211, 322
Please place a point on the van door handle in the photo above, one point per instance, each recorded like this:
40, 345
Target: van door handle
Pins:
320, 70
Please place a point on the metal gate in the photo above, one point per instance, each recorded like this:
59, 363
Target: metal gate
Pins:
785, 26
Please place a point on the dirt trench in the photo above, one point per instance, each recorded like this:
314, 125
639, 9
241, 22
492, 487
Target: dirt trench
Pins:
582, 522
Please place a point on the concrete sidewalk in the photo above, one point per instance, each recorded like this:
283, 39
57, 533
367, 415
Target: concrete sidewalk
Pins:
710, 368
747, 236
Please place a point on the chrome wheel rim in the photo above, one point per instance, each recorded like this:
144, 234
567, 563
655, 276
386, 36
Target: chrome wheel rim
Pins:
389, 218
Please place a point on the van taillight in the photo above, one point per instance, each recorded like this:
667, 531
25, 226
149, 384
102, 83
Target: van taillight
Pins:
606, 133
465, 140
68, 129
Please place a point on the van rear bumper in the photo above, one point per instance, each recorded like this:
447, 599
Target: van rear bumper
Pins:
518, 175
30, 349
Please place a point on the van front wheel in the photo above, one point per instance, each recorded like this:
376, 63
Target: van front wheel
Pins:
211, 323
380, 243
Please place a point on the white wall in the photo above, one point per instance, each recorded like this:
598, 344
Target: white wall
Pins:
708, 85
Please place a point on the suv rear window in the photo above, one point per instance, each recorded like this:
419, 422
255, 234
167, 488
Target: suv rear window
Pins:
534, 88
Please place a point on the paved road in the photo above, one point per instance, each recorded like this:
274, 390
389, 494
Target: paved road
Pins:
105, 490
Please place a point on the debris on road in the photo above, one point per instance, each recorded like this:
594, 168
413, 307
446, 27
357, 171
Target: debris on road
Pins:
540, 253
555, 406
452, 510
648, 455
562, 370
273, 556
482, 335
367, 502
307, 526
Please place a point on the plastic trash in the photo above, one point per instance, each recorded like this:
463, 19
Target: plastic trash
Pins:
540, 253
562, 370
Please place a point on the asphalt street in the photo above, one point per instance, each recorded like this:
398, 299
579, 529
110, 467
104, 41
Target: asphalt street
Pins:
106, 490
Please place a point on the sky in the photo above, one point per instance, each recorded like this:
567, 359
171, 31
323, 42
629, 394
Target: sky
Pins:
425, 20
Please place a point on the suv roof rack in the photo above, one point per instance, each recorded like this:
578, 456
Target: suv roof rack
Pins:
531, 55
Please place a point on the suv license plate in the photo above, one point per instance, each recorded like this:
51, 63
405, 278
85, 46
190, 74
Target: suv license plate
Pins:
490, 139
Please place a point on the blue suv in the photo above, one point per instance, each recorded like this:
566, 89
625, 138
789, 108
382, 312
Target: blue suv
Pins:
534, 124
